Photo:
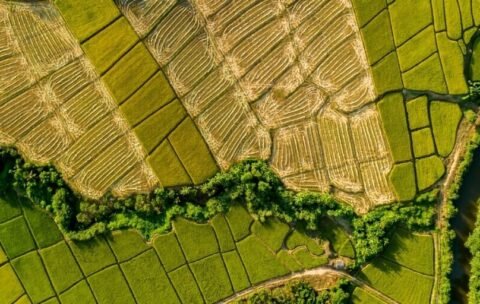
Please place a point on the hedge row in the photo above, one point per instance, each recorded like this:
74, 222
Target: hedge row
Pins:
250, 182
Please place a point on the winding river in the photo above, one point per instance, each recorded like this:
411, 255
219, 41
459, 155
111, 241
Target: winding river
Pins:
463, 224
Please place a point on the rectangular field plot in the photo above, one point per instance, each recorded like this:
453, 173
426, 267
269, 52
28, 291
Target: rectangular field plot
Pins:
57, 260
31, 272
414, 251
126, 244
92, 255
130, 72
109, 286
361, 296
15, 237
45, 231
148, 280
169, 251
167, 166
224, 237
109, 45
185, 285
399, 283
87, 17
212, 278
148, 99
10, 287
10, 206
236, 270
193, 152
153, 130
78, 294
197, 240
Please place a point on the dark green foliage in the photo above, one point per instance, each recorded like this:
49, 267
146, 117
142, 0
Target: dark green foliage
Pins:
302, 293
371, 233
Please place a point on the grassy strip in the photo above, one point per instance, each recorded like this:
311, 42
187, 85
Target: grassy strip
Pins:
78, 294
445, 120
447, 234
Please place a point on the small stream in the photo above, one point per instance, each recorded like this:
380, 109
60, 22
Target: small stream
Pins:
463, 223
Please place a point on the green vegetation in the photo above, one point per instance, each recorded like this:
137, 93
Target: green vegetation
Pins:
453, 64
475, 61
453, 19
339, 239
130, 72
92, 255
15, 238
169, 251
148, 280
31, 273
386, 74
397, 282
9, 207
109, 286
429, 171
308, 260
417, 110
301, 292
153, 130
78, 294
473, 245
10, 287
272, 232
184, 283
152, 96
423, 142
299, 238
167, 166
44, 230
85, 18
109, 45
193, 151
288, 260
445, 120
417, 49
259, 261
224, 237
394, 120
197, 240
412, 250
402, 178
406, 22
61, 266
361, 296
239, 221
212, 278
236, 271
367, 9
126, 244
426, 75
378, 38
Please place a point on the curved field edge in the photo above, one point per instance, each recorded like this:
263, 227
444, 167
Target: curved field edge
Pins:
251, 183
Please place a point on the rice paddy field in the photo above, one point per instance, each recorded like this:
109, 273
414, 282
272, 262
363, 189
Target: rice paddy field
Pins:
194, 263
362, 100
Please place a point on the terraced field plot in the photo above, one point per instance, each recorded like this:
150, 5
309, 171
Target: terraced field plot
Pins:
196, 263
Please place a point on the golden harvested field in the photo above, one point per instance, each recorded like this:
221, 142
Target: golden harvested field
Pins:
286, 81
54, 108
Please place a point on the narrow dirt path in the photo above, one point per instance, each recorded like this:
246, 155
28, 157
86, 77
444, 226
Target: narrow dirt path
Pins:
315, 272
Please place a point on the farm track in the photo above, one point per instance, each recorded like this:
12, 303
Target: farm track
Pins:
316, 273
